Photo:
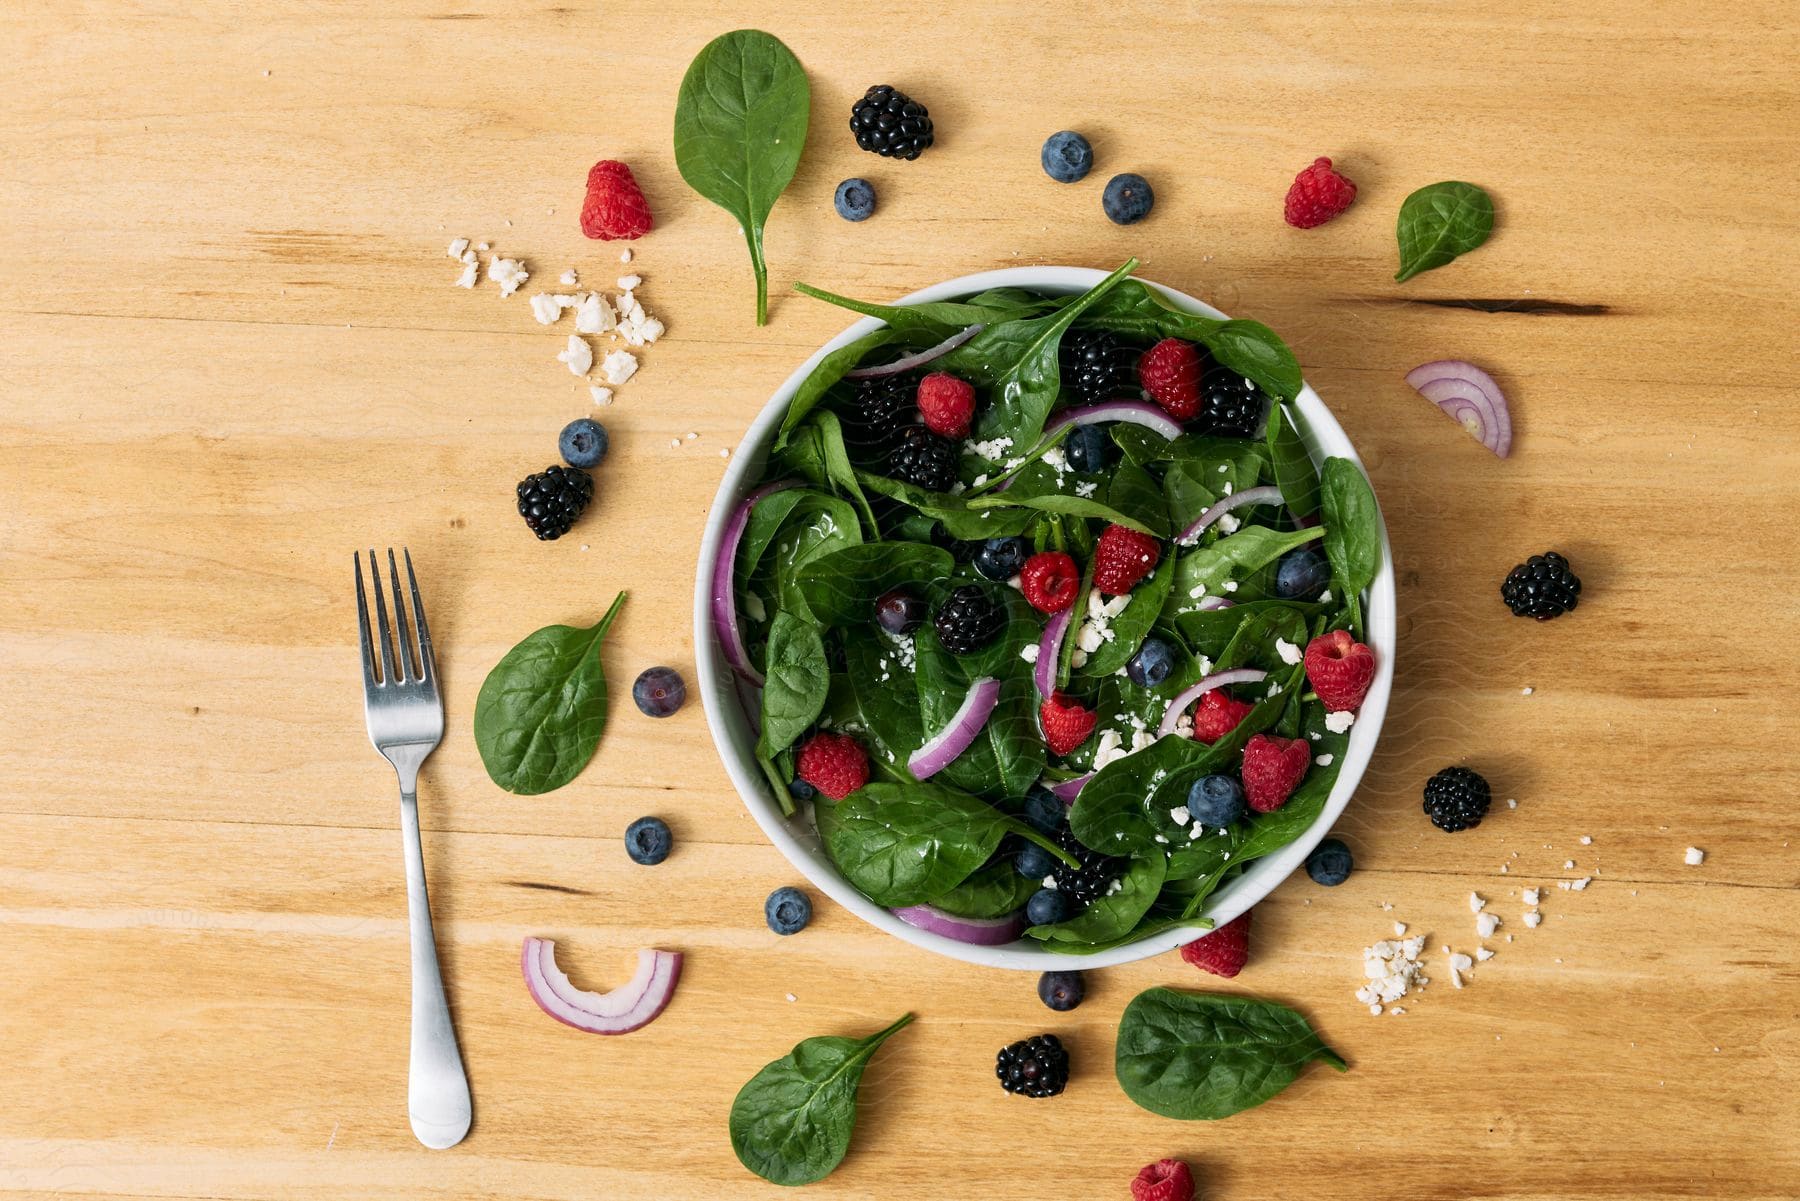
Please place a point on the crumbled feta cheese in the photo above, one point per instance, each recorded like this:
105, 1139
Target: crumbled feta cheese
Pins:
1392, 969
1086, 488
1029, 652
1568, 865
990, 450
593, 315
470, 274
1526, 691
508, 273
1290, 654
1055, 459
1512, 803
1529, 896
1399, 929
1581, 884
548, 306
1483, 954
618, 366
625, 255
1459, 963
1324, 760
1339, 721
578, 355
1325, 597
569, 278
1227, 523
1230, 585
457, 246
1694, 857
1586, 840
1050, 883
483, 246
903, 647
1477, 902
629, 283
602, 396
1532, 919
1486, 924
1180, 815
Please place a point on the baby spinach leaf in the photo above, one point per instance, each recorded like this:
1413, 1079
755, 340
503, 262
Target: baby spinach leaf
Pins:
841, 588
1205, 570
542, 708
1115, 913
1134, 493
1137, 309
1112, 812
887, 697
1057, 502
1065, 662
838, 471
791, 1124
994, 891
1203, 1056
952, 512
1130, 626
765, 519
740, 125
1151, 924
1352, 527
1439, 222
1008, 755
798, 680
1293, 467
827, 375
1257, 353
1211, 631
934, 319
819, 526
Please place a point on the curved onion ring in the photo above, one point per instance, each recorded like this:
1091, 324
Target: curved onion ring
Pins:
916, 360
1134, 412
624, 1009
1068, 790
1043, 674
724, 587
944, 746
981, 931
1209, 603
1268, 494
1470, 395
1187, 696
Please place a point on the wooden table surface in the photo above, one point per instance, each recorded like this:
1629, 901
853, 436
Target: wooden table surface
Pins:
233, 353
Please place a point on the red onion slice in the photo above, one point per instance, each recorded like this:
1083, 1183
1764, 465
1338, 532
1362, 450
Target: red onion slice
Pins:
1043, 674
1068, 790
1268, 494
1470, 395
1134, 412
944, 746
981, 931
724, 582
1187, 696
1214, 602
630, 1006
916, 360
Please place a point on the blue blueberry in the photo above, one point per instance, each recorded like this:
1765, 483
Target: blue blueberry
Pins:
855, 200
787, 910
1002, 558
1033, 862
1046, 907
1127, 199
1215, 800
647, 841
659, 691
1044, 810
1067, 157
1151, 665
1062, 991
1088, 449
1330, 863
1302, 574
899, 611
583, 443
800, 790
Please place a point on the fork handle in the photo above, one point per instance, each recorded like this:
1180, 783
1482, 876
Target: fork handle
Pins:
437, 1089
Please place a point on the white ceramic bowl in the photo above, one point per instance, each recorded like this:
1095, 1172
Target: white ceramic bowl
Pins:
796, 838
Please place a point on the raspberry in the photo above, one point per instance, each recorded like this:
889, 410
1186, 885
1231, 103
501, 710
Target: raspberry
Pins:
615, 206
1170, 372
1050, 581
1066, 724
946, 404
1223, 951
1164, 1180
1340, 669
1317, 195
834, 764
1122, 558
1218, 714
1272, 769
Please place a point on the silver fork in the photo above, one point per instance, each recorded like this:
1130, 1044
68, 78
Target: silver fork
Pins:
405, 714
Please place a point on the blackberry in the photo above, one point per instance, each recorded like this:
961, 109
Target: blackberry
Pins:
1542, 587
884, 406
1087, 883
1456, 799
1230, 405
1096, 367
1037, 1066
890, 123
922, 458
551, 500
968, 620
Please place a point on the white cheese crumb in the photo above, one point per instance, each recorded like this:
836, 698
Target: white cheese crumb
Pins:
1694, 857
1227, 523
1511, 803
1029, 652
457, 247
1486, 924
508, 273
1568, 865
483, 246
1459, 963
1477, 902
991, 450
569, 278
469, 275
1483, 954
548, 306
1581, 884
1340, 721
625, 255
593, 315
1391, 968
579, 356
1529, 896
618, 366
1050, 883
629, 283
1180, 815
1399, 929
1526, 691
1532, 919
1086, 488
1586, 841
602, 396
726, 453
1324, 760
1230, 585
790, 996
674, 443
1290, 654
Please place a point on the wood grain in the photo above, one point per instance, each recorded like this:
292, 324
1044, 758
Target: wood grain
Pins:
233, 355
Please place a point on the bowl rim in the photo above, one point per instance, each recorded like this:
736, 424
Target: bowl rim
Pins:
795, 838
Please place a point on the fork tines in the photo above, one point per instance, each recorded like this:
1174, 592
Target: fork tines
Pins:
414, 663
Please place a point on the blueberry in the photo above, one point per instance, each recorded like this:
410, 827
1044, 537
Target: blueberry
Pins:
855, 200
1044, 810
647, 841
1330, 863
800, 790
787, 910
1302, 574
1088, 449
1215, 800
1002, 558
583, 443
1127, 199
659, 691
1034, 862
899, 611
1046, 907
1152, 663
1067, 157
1061, 991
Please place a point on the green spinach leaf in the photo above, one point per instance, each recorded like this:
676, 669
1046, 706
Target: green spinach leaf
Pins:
1352, 528
1257, 353
1439, 222
934, 319
1293, 467
1131, 625
994, 891
798, 681
1205, 570
827, 375
1116, 913
840, 588
887, 696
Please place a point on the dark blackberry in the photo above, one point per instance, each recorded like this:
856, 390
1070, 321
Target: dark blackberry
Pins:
1035, 1067
1097, 367
1456, 799
884, 406
1230, 405
890, 123
923, 459
1542, 587
551, 500
968, 620
1089, 882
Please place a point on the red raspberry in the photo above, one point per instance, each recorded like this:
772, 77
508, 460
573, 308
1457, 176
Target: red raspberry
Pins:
1170, 372
1317, 195
1273, 768
1164, 1180
834, 764
1340, 669
1066, 724
1050, 581
1122, 558
615, 206
946, 404
1218, 714
1223, 951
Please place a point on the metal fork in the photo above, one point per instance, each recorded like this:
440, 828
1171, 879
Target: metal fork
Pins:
405, 714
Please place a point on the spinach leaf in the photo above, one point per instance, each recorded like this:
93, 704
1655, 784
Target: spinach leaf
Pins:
827, 375
1206, 569
1130, 626
840, 588
838, 471
1203, 1056
934, 319
740, 125
765, 519
798, 680
1008, 755
1293, 467
1057, 502
887, 697
1439, 222
1352, 528
1137, 309
994, 891
818, 527
952, 512
1257, 353
542, 708
1134, 493
1153, 924
1117, 913
1211, 632
791, 1123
